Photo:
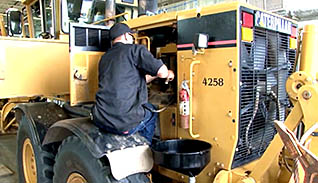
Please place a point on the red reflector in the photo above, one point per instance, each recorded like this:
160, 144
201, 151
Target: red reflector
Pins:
294, 32
248, 20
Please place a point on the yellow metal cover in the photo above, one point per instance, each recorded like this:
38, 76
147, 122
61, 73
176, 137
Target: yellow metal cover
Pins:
33, 67
84, 76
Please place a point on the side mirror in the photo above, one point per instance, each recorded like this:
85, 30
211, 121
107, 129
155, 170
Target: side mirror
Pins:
14, 22
200, 40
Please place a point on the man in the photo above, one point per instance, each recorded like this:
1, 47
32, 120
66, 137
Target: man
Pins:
124, 71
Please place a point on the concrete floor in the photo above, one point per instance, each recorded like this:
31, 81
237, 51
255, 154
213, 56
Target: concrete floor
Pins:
8, 157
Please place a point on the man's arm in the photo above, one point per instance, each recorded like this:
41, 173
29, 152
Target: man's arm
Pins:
163, 72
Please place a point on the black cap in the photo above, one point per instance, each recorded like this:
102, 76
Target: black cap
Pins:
119, 29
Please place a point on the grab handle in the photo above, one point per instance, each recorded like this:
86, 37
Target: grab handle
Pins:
190, 120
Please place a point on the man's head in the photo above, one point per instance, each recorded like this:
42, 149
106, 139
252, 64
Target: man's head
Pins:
121, 33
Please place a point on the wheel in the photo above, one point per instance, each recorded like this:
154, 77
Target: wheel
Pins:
75, 164
35, 165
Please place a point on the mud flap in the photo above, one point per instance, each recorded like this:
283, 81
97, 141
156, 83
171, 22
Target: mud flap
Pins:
130, 161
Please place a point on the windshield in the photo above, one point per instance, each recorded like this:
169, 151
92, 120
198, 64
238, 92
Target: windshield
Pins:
82, 11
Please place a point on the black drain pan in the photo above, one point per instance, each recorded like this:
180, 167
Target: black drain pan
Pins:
185, 156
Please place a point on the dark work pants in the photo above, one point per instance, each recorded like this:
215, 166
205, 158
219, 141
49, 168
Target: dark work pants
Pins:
145, 128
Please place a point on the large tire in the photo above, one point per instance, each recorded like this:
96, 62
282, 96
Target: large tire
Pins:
75, 163
35, 165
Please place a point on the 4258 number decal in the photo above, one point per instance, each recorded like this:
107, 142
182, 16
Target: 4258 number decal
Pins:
213, 81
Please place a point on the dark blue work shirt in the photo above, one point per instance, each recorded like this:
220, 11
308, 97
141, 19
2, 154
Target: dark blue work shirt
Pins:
122, 86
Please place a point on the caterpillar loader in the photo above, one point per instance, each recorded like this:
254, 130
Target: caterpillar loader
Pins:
236, 77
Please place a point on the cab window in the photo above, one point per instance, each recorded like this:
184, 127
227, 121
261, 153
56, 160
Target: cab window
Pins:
82, 11
25, 23
48, 16
42, 18
36, 18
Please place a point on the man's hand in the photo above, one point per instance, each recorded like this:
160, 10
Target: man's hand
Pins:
163, 72
170, 76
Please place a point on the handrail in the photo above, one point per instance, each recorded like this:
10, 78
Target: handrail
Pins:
148, 41
190, 120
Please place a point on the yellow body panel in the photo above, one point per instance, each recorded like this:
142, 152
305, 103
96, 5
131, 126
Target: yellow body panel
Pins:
84, 76
214, 63
33, 67
168, 123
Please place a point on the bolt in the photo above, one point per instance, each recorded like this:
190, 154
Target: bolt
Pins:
209, 174
215, 139
306, 95
230, 63
229, 114
182, 177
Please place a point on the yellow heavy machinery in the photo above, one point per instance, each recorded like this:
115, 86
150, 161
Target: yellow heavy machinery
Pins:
235, 62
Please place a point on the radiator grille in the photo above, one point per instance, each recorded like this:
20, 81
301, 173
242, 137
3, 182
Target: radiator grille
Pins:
265, 66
